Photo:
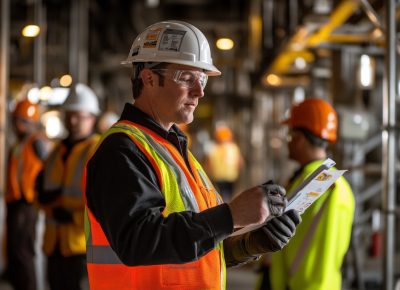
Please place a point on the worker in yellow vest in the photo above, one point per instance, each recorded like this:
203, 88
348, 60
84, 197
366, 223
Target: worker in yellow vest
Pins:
25, 161
154, 220
224, 161
313, 258
61, 192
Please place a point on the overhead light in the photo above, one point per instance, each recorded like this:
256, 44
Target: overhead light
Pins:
31, 30
33, 95
377, 33
300, 63
45, 93
366, 71
225, 44
66, 80
273, 80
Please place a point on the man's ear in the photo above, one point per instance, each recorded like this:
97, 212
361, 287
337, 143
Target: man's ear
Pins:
147, 77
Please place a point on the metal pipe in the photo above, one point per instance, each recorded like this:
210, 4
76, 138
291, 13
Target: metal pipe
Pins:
39, 73
78, 56
4, 76
389, 146
371, 14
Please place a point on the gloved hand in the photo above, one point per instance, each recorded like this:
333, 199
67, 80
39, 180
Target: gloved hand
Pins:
62, 215
276, 233
270, 238
276, 198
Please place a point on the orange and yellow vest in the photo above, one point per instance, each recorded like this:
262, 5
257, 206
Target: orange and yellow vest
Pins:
23, 168
67, 175
182, 192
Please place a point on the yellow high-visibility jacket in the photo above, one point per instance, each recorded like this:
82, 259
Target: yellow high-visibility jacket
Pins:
313, 257
67, 175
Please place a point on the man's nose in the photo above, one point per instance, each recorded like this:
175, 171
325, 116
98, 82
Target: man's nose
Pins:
198, 89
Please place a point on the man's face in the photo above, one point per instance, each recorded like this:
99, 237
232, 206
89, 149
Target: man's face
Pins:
176, 93
79, 124
23, 127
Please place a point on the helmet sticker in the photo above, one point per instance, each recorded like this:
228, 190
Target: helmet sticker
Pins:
171, 40
151, 38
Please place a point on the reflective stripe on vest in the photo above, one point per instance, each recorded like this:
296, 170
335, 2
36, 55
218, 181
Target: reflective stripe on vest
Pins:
175, 186
188, 199
308, 237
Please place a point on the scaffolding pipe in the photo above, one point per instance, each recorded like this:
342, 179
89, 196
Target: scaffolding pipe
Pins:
4, 71
39, 61
389, 157
78, 52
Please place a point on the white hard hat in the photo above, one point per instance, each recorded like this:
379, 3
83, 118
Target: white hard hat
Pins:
173, 42
82, 98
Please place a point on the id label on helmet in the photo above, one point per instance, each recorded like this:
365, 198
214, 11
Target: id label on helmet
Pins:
151, 38
171, 40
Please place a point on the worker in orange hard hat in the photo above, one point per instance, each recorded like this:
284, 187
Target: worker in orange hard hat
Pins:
313, 258
224, 161
223, 134
25, 160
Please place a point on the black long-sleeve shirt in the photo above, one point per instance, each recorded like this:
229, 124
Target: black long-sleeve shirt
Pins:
123, 194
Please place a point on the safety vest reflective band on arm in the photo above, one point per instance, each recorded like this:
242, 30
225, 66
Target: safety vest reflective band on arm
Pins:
183, 190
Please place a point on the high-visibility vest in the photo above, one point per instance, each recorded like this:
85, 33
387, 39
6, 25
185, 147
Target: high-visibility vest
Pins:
23, 168
182, 192
67, 175
224, 162
313, 258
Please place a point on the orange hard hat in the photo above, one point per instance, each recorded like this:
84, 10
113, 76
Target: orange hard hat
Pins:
316, 116
27, 110
223, 133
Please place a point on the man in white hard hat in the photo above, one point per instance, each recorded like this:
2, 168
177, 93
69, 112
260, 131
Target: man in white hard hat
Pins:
61, 192
154, 219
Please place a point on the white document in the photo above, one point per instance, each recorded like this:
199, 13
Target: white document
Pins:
314, 186
307, 191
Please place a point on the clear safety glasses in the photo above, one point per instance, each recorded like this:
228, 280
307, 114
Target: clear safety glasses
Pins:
185, 78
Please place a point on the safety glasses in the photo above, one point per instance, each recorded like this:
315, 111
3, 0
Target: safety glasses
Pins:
185, 78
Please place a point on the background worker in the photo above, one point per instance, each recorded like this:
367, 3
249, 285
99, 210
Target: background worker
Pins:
224, 161
25, 161
313, 258
155, 220
61, 192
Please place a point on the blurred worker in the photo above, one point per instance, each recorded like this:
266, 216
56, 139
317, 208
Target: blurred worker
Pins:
313, 258
25, 161
61, 192
155, 219
224, 161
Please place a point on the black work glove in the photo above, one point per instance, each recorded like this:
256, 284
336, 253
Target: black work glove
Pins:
276, 198
270, 238
278, 231
62, 215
